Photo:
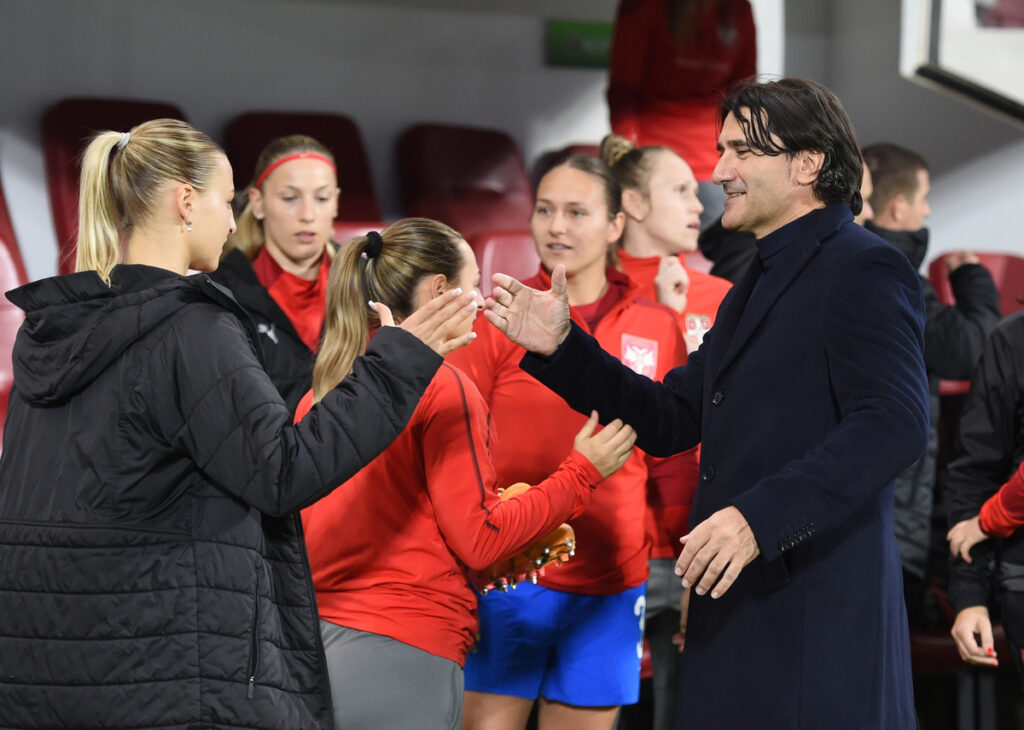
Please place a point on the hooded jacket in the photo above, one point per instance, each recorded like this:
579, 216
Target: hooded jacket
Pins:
286, 358
954, 336
152, 565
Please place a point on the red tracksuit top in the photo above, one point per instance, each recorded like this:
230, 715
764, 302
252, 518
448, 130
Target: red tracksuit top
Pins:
389, 547
1003, 512
662, 94
532, 425
668, 498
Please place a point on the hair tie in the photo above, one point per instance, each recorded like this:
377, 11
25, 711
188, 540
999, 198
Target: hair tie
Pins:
374, 244
288, 158
123, 142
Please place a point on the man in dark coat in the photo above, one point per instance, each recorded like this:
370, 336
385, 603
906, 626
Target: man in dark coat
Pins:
953, 339
809, 396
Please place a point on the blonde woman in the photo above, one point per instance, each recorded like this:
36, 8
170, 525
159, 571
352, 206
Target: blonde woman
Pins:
390, 547
152, 568
276, 263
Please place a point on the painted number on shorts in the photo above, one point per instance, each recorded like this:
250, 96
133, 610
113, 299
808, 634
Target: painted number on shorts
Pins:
639, 609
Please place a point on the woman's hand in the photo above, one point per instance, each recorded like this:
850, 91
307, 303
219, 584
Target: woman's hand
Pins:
963, 536
535, 320
672, 283
971, 624
438, 321
608, 448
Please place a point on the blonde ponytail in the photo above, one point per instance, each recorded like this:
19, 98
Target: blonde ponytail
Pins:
122, 176
99, 247
408, 250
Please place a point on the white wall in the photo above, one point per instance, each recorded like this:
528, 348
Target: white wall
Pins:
976, 158
386, 64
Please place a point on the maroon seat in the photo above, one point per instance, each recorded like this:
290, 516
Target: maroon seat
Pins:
12, 274
546, 160
1007, 271
67, 127
504, 252
247, 134
472, 179
344, 230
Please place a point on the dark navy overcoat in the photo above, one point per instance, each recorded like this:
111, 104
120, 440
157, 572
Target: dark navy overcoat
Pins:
809, 396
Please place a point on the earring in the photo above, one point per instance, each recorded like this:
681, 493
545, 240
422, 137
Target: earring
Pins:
188, 225
258, 216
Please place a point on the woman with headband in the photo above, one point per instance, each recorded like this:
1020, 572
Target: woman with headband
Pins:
276, 263
390, 548
153, 572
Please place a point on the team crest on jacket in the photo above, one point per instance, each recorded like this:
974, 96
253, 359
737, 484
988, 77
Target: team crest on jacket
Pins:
697, 326
640, 355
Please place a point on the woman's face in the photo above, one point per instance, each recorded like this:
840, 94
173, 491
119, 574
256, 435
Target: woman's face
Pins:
212, 219
570, 222
297, 204
673, 217
468, 279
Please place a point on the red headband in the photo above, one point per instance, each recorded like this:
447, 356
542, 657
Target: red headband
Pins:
289, 158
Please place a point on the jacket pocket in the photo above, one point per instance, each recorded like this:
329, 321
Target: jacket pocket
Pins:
254, 639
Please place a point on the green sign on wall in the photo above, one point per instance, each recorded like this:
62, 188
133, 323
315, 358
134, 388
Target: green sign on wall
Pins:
578, 43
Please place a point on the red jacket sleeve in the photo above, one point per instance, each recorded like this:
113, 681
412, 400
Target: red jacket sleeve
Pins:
477, 526
1003, 512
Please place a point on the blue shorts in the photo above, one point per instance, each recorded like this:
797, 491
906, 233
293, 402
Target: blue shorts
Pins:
580, 650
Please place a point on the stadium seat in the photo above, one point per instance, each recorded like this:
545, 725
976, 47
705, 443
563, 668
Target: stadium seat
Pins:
12, 274
472, 179
67, 128
546, 160
1007, 271
344, 230
247, 134
505, 252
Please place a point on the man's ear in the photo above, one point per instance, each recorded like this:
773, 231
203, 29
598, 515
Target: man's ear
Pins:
808, 166
635, 205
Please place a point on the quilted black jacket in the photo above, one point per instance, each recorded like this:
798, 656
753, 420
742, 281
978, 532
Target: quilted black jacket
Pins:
152, 568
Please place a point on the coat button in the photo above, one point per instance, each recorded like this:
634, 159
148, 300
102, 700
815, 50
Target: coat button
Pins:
708, 473
717, 397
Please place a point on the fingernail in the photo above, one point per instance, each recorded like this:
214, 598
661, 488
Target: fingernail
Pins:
472, 335
677, 571
700, 591
714, 594
990, 651
457, 291
686, 583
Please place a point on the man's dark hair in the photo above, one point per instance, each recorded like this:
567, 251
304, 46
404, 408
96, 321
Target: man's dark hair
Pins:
791, 115
893, 171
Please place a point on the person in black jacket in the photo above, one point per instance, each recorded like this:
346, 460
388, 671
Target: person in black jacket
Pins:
991, 449
954, 336
153, 570
276, 263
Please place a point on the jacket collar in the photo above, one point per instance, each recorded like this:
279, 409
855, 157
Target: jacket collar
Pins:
912, 244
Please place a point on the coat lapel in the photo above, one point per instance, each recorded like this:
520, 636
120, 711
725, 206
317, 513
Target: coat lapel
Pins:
807, 235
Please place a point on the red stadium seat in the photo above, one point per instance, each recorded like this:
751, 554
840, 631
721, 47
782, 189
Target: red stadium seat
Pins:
344, 230
67, 127
1007, 271
12, 274
504, 252
247, 134
472, 179
548, 159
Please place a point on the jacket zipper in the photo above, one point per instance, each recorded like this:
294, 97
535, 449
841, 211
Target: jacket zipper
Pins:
254, 639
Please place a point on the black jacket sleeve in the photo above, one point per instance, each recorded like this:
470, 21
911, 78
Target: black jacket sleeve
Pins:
229, 419
989, 450
954, 335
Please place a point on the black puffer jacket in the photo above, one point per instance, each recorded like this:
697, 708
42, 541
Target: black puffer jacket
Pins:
990, 449
953, 340
286, 358
152, 568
